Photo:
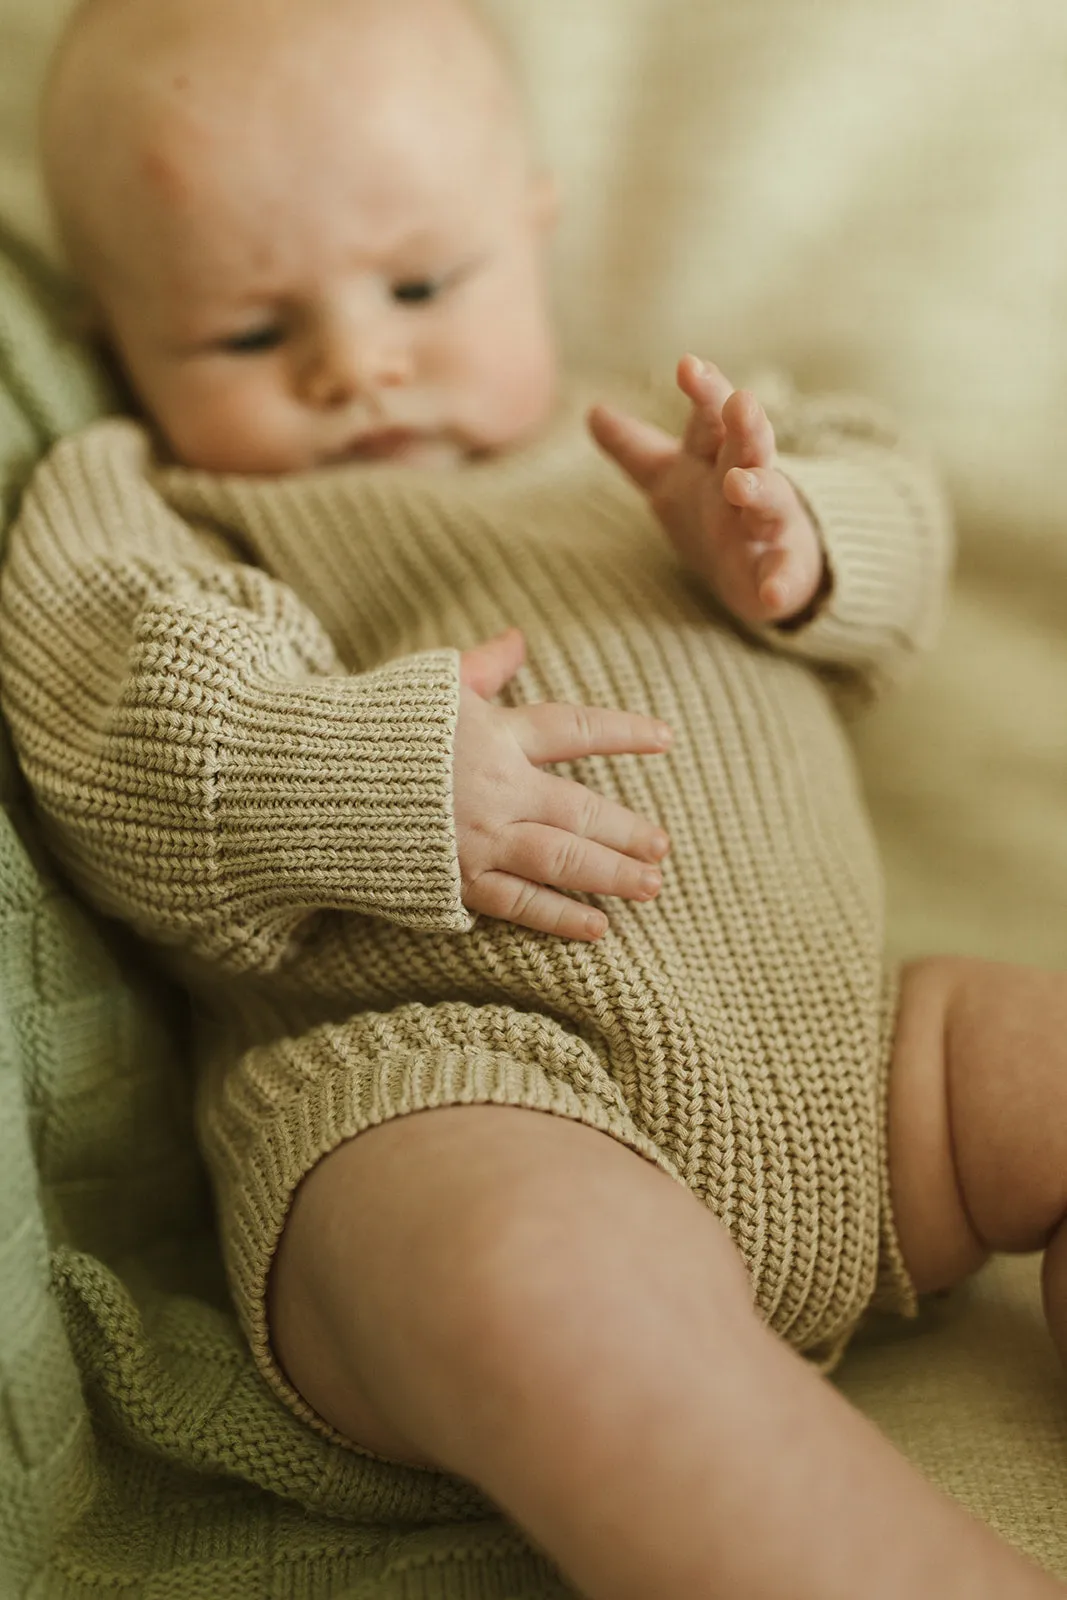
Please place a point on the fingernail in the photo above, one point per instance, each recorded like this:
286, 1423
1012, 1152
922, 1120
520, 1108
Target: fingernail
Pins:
664, 734
596, 925
660, 845
650, 884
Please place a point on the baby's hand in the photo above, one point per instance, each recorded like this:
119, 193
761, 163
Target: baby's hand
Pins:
524, 834
735, 520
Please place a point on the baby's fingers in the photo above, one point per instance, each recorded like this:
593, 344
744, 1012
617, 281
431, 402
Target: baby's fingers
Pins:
552, 732
570, 809
765, 494
530, 905
642, 451
537, 860
563, 860
709, 390
783, 585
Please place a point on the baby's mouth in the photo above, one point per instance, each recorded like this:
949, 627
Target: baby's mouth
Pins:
386, 445
410, 447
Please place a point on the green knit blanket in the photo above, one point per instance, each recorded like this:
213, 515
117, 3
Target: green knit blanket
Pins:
141, 1456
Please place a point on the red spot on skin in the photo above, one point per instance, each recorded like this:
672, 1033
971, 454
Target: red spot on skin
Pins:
164, 174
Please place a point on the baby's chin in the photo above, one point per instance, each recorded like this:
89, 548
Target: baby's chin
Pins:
395, 446
400, 448
225, 459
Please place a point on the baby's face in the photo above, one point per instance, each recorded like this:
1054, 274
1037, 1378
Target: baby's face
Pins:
342, 262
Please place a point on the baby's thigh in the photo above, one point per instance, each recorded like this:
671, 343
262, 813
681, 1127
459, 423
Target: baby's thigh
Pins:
436, 1267
270, 1115
978, 1094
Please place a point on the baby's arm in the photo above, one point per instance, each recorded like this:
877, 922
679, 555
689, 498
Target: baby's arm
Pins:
809, 518
212, 774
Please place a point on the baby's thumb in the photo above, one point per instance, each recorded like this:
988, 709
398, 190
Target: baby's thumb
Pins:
487, 667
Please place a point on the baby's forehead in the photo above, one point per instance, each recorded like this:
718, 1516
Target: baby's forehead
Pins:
112, 47
131, 70
203, 96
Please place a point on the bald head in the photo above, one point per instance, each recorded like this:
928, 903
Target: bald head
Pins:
142, 93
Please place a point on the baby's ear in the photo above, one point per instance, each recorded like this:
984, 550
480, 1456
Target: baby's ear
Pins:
544, 201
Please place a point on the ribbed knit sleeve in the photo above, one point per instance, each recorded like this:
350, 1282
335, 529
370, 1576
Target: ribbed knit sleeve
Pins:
209, 770
886, 529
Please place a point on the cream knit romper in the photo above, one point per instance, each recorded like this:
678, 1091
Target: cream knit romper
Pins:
235, 701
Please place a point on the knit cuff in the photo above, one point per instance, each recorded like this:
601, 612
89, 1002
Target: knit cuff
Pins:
337, 793
879, 568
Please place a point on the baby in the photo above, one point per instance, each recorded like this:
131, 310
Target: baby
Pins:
245, 660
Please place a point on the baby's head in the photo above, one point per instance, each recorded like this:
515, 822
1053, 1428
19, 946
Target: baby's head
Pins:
310, 228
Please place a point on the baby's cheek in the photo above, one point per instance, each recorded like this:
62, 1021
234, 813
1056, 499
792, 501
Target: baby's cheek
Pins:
220, 429
521, 392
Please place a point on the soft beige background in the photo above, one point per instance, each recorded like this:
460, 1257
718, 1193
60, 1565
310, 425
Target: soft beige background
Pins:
874, 193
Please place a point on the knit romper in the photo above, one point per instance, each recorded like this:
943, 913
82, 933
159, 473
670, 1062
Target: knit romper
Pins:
235, 700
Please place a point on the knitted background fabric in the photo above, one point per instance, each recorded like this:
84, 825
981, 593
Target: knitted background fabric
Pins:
871, 196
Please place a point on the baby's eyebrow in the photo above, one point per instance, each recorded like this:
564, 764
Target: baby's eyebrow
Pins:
415, 236
437, 238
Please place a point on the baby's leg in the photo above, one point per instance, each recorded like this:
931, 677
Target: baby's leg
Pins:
978, 1121
527, 1303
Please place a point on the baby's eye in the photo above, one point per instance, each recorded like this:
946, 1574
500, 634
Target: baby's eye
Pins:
254, 340
416, 291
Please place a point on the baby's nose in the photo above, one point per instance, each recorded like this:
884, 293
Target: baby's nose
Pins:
344, 370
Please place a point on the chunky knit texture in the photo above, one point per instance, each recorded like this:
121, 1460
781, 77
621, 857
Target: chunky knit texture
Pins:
235, 700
